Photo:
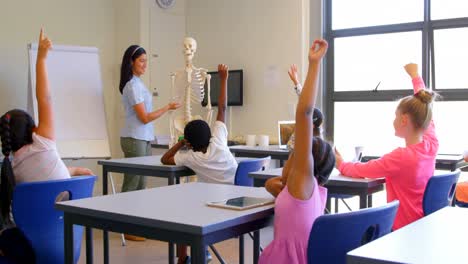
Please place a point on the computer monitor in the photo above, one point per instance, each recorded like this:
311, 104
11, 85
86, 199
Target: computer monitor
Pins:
285, 130
235, 93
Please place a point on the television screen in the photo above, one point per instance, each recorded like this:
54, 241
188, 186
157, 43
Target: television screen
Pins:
235, 88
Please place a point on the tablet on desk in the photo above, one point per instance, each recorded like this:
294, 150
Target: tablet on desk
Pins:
242, 203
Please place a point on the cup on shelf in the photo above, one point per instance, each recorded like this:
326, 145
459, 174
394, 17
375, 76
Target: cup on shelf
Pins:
250, 140
263, 140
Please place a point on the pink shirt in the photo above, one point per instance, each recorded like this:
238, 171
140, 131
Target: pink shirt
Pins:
293, 222
406, 170
38, 161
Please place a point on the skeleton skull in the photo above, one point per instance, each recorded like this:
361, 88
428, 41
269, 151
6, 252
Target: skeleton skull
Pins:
190, 47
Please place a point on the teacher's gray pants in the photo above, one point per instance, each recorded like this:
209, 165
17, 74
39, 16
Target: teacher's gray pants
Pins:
134, 148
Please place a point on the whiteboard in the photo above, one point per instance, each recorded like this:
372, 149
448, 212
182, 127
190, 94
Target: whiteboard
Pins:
78, 102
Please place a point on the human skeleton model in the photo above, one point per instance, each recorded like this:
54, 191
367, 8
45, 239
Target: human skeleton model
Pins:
189, 83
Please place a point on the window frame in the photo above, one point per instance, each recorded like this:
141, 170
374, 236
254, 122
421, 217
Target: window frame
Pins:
426, 27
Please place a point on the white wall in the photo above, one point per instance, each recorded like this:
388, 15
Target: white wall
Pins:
262, 37
83, 23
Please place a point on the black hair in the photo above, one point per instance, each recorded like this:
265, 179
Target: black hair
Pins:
324, 159
16, 247
130, 55
198, 134
317, 121
16, 128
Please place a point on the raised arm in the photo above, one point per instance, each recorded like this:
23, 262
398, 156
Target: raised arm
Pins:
222, 100
147, 117
418, 82
300, 179
295, 79
45, 125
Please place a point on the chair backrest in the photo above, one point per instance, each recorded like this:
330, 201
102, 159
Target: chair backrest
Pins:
250, 165
334, 235
439, 191
33, 211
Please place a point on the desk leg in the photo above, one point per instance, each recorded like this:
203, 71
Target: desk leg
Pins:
177, 180
171, 253
363, 201
241, 249
198, 252
281, 163
104, 180
68, 239
328, 206
105, 239
256, 246
369, 201
89, 245
170, 180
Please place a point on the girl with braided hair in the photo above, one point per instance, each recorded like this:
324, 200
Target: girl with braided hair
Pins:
33, 148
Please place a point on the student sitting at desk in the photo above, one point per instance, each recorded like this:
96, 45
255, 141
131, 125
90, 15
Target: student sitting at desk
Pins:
408, 169
303, 198
208, 155
35, 156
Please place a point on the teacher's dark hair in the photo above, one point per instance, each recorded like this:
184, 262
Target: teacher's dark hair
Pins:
130, 55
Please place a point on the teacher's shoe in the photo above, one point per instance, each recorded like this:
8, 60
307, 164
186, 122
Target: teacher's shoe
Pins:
134, 238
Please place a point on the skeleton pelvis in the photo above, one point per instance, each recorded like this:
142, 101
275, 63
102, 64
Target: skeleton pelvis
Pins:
180, 122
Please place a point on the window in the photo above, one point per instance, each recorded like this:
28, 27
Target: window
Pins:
364, 75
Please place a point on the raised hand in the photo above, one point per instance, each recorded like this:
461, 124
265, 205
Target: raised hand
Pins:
318, 50
293, 74
412, 70
223, 71
43, 46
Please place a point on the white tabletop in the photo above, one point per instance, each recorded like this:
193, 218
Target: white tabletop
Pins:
437, 238
146, 162
179, 207
257, 149
335, 179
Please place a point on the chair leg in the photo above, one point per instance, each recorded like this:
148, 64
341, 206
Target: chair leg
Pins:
122, 237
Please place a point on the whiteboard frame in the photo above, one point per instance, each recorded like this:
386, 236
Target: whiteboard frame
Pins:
70, 149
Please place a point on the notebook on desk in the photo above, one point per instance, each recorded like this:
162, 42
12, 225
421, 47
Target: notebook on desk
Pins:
285, 130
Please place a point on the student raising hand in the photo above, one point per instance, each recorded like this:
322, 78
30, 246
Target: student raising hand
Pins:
44, 45
223, 71
293, 74
318, 50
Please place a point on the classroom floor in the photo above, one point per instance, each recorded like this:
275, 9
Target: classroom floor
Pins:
152, 251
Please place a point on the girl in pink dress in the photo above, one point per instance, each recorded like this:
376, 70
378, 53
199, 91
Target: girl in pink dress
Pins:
406, 170
301, 197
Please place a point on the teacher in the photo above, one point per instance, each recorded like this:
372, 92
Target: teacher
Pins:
138, 131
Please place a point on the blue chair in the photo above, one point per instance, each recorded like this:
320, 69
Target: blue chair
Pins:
33, 211
439, 191
250, 165
334, 235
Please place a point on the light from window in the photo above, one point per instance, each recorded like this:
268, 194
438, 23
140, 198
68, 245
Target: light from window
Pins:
444, 9
362, 62
451, 56
363, 13
367, 124
451, 126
